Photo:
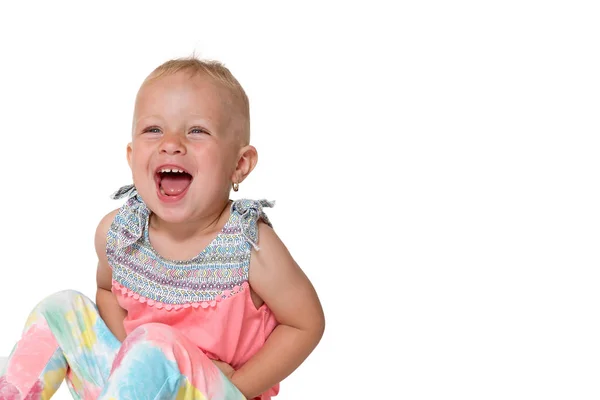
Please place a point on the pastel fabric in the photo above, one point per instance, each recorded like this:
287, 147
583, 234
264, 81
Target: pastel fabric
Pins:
65, 338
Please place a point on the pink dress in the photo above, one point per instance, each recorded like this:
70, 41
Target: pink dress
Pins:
206, 298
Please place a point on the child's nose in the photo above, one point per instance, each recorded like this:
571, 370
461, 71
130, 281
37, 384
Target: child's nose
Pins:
172, 144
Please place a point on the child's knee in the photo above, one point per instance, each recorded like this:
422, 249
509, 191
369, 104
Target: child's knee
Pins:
149, 338
62, 300
154, 333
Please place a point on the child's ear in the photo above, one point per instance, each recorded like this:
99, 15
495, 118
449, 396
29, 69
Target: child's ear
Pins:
247, 159
129, 150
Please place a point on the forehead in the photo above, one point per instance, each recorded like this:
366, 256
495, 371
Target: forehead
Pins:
181, 92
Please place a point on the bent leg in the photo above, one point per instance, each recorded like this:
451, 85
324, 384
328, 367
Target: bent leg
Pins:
158, 362
63, 336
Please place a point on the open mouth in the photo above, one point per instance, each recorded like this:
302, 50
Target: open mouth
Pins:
172, 182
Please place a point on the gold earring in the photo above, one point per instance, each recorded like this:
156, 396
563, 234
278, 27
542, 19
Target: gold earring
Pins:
235, 186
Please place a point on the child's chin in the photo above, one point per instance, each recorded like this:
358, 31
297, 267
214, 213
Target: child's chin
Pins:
171, 213
172, 218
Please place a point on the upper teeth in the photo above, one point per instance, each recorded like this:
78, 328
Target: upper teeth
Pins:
171, 170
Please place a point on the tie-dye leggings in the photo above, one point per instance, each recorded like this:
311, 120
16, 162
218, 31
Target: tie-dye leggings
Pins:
65, 337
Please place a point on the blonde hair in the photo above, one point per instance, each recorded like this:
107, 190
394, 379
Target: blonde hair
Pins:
219, 73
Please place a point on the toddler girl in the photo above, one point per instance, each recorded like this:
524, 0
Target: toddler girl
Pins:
188, 305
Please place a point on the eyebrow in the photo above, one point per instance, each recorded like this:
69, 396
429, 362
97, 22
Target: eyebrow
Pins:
144, 117
212, 124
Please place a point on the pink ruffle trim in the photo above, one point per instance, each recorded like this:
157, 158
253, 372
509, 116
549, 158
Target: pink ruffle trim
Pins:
170, 307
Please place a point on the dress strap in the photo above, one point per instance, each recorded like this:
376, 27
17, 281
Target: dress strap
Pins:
124, 191
130, 222
249, 213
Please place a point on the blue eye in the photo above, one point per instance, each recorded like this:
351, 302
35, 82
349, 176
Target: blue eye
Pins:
198, 131
152, 129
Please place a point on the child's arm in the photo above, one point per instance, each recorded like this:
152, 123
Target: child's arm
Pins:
110, 311
279, 281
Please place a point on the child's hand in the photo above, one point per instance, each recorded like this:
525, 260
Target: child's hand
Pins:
225, 368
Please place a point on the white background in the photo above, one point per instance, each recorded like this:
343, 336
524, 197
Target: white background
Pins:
435, 167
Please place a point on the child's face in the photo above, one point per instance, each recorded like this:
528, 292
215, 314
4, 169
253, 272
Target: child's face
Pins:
183, 123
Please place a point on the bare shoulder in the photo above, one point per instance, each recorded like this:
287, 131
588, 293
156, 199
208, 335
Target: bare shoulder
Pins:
273, 253
269, 241
104, 272
280, 282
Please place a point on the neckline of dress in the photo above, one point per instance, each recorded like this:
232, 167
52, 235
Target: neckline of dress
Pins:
197, 257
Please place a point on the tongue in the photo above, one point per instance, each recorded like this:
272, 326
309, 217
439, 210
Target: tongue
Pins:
174, 184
